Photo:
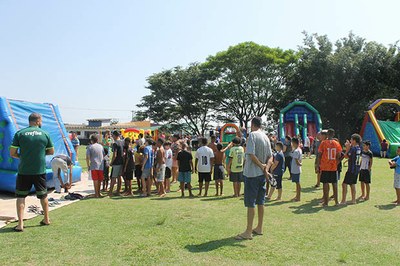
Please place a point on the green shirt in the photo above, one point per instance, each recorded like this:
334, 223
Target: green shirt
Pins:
32, 143
237, 156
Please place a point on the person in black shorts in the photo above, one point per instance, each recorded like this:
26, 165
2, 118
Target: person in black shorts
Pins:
365, 171
31, 145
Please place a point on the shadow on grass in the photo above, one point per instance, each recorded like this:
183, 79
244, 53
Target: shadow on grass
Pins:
215, 244
310, 190
307, 208
7, 230
212, 198
171, 198
276, 202
386, 207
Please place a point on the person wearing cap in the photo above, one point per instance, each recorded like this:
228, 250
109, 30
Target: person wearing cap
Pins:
365, 170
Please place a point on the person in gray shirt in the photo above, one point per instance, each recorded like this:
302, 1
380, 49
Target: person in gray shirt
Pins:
257, 164
95, 164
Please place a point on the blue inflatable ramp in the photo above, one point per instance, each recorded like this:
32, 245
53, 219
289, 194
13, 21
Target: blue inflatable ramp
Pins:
13, 117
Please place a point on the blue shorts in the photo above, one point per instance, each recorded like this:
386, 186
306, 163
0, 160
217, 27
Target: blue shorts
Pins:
295, 178
254, 191
185, 177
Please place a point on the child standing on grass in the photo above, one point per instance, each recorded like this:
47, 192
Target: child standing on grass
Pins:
395, 163
138, 166
295, 168
277, 169
129, 166
186, 169
168, 164
219, 170
353, 153
106, 170
365, 170
235, 165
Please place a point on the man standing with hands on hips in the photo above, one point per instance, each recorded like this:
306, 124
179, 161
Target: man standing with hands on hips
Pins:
31, 145
258, 162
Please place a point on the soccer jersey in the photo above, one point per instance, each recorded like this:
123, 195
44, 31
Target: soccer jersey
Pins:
366, 158
329, 150
237, 155
354, 160
32, 143
204, 155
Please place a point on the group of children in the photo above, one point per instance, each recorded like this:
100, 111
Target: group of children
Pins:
157, 162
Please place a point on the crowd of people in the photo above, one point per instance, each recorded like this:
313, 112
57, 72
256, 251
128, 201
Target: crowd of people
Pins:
259, 161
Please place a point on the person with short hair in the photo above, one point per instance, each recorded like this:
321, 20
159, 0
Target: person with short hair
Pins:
138, 166
147, 168
277, 169
365, 170
31, 145
95, 164
175, 147
204, 163
219, 169
287, 150
258, 155
235, 165
107, 141
395, 164
329, 153
160, 167
106, 169
168, 166
75, 142
186, 169
353, 153
384, 148
213, 145
129, 166
117, 163
295, 168
61, 163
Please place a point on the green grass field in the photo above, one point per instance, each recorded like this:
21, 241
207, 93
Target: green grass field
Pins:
200, 231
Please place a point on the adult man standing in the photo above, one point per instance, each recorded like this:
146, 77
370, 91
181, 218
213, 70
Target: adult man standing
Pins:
258, 155
117, 163
31, 145
204, 164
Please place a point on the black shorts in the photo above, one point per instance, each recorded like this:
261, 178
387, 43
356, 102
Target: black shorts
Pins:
329, 177
306, 149
138, 171
236, 177
25, 182
350, 179
129, 175
106, 173
278, 179
288, 161
204, 177
218, 174
168, 173
365, 176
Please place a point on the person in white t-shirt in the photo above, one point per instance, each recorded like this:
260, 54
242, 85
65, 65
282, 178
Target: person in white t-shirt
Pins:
168, 164
204, 163
307, 146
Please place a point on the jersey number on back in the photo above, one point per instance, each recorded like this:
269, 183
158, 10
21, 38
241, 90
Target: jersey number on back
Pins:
331, 153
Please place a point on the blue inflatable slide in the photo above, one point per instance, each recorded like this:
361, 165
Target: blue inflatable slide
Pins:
13, 117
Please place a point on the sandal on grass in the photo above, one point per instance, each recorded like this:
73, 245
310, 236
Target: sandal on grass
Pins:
43, 223
242, 237
256, 233
16, 229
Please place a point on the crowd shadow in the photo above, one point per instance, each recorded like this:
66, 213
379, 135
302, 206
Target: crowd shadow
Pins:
213, 198
386, 207
276, 202
309, 190
215, 244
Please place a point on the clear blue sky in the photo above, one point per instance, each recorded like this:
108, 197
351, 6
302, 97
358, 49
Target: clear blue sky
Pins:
92, 57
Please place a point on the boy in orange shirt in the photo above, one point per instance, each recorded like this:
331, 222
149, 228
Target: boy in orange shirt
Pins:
329, 153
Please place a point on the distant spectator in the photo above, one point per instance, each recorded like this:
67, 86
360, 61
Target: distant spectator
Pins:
75, 142
384, 148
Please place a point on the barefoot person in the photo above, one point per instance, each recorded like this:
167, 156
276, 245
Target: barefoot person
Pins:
31, 145
160, 167
235, 165
61, 164
258, 154
204, 165
95, 164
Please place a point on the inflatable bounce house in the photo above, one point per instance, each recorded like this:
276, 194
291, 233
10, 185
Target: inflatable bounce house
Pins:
13, 117
133, 133
299, 118
376, 130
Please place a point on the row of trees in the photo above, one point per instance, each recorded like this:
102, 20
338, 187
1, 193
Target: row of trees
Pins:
340, 80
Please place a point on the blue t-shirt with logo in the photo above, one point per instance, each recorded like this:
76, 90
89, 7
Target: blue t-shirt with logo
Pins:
148, 150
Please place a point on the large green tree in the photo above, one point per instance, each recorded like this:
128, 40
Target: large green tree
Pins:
247, 80
179, 95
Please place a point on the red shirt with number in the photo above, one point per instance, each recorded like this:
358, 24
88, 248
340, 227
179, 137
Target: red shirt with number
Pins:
329, 149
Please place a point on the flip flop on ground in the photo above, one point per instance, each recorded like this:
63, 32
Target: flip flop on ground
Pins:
243, 237
43, 223
256, 233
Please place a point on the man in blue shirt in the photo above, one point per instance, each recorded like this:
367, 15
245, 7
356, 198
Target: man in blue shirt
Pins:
147, 167
395, 163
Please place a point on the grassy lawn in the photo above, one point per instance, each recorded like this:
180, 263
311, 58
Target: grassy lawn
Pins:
199, 231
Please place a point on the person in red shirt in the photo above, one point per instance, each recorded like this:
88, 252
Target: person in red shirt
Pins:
328, 156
